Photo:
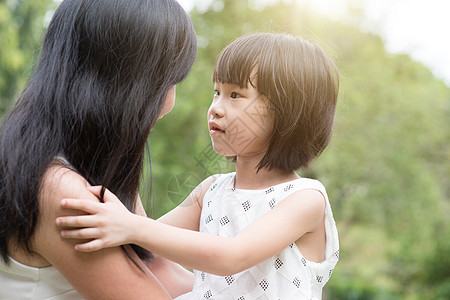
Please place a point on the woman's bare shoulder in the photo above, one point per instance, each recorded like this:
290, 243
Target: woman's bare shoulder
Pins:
107, 268
61, 181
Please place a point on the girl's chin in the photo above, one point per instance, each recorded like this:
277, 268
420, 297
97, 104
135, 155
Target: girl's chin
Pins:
223, 151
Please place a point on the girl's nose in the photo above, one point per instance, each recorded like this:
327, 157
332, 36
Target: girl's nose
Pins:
216, 109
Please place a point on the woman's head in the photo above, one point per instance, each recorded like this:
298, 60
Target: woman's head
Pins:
114, 62
299, 84
100, 84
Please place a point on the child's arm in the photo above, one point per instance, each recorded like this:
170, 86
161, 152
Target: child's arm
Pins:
176, 279
187, 214
300, 213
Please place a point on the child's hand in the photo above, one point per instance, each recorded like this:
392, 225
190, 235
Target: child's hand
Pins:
108, 224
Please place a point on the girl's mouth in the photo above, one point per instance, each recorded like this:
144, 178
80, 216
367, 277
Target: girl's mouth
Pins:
215, 129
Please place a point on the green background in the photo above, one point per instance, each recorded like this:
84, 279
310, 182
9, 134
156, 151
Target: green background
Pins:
386, 169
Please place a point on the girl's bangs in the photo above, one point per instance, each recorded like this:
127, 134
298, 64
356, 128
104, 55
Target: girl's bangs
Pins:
237, 64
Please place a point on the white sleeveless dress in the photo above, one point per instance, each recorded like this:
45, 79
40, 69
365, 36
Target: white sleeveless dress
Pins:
287, 275
21, 282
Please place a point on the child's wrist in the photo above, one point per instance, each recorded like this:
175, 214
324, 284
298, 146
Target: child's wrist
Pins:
133, 236
139, 225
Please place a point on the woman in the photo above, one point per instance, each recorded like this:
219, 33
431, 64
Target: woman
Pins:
106, 72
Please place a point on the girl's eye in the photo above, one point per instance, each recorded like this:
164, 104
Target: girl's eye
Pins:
235, 95
216, 93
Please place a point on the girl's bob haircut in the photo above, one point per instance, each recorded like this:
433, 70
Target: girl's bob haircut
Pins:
300, 84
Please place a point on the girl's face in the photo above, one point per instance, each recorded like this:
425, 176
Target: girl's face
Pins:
239, 121
170, 102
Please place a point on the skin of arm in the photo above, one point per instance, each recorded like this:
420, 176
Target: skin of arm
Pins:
299, 214
106, 274
176, 279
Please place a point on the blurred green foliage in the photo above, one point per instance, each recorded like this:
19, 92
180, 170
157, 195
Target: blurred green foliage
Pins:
386, 169
21, 31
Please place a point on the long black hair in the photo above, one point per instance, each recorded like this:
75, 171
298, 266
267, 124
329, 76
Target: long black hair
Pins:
99, 85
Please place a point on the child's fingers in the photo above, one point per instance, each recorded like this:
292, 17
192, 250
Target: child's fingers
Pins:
90, 246
78, 221
110, 197
84, 233
95, 190
107, 197
80, 204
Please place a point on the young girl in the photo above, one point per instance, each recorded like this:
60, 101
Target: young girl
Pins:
265, 232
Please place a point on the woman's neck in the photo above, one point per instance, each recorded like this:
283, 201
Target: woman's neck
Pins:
247, 176
31, 259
